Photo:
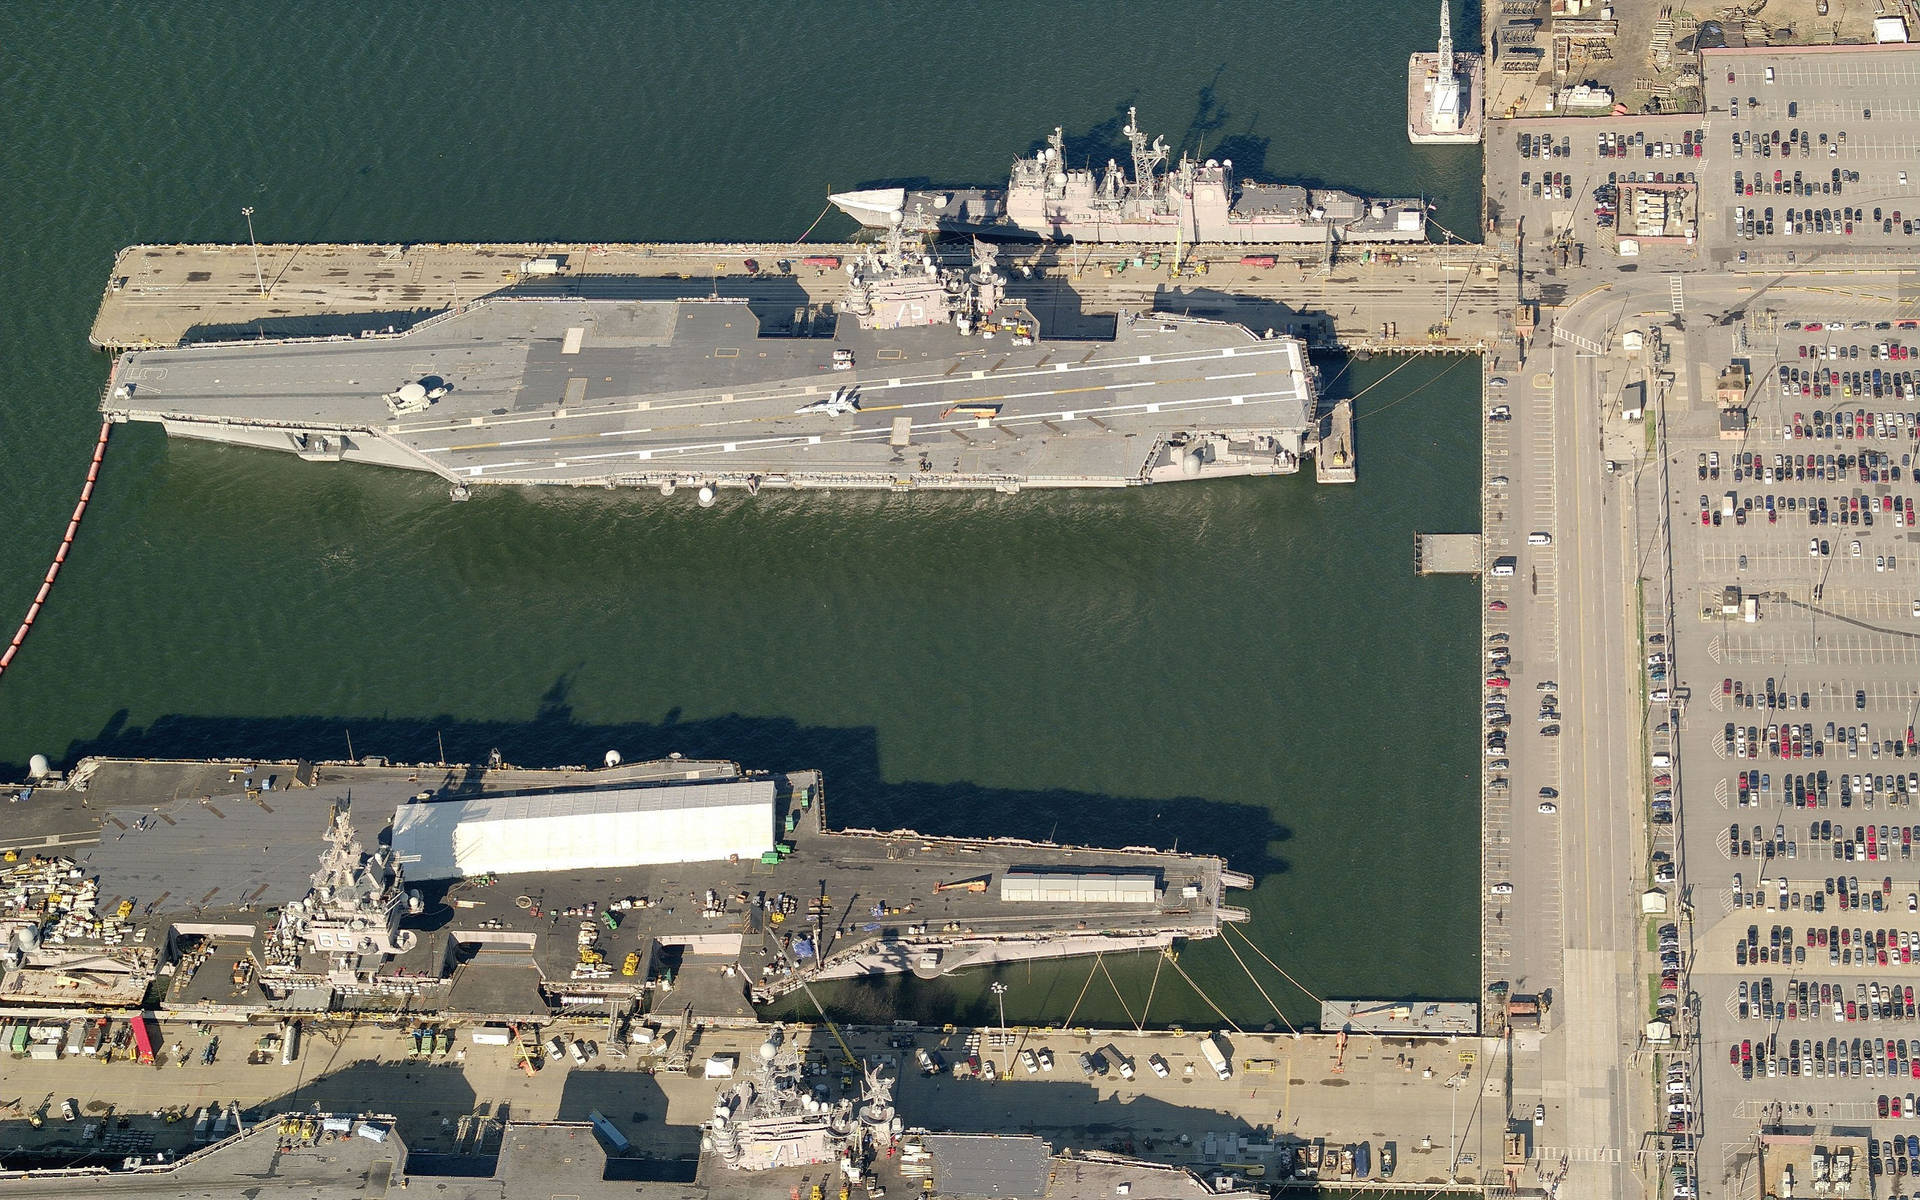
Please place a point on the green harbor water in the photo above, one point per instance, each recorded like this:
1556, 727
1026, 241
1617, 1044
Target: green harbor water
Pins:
1248, 668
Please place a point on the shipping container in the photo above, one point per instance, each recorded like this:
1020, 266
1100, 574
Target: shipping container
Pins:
143, 1039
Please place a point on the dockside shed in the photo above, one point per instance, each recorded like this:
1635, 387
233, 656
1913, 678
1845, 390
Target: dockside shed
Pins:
570, 831
1068, 887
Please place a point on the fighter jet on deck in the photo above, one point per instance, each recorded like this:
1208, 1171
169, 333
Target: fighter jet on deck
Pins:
842, 402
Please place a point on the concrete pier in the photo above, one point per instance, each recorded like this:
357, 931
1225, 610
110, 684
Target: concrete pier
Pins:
1447, 554
1420, 299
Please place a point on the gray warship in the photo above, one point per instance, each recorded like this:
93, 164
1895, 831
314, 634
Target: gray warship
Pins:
1196, 201
932, 378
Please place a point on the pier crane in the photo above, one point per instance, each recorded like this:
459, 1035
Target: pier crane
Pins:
853, 1060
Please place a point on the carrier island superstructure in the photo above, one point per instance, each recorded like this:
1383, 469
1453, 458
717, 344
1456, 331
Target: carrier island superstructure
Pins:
488, 891
929, 377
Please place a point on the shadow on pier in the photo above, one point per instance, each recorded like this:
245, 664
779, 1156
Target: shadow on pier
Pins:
858, 794
775, 296
1257, 313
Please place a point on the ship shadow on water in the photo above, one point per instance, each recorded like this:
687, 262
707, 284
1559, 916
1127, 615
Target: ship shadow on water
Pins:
857, 793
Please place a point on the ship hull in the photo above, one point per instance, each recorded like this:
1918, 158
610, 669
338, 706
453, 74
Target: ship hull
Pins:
954, 216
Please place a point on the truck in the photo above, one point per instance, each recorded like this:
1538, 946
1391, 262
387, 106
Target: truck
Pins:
491, 1035
1215, 1056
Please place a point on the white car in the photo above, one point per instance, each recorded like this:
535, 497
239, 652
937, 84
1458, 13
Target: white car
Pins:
1539, 538
1501, 889
1046, 1059
1497, 481
1158, 1064
1028, 1061
1549, 807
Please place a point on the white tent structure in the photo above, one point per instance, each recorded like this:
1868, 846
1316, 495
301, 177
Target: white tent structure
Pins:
568, 831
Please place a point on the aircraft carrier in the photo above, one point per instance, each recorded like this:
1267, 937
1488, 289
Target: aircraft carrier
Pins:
928, 378
1195, 202
252, 888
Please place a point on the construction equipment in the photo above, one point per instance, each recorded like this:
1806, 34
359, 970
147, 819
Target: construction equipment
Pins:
526, 1052
976, 884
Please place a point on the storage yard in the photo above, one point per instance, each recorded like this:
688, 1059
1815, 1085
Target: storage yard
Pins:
1283, 1094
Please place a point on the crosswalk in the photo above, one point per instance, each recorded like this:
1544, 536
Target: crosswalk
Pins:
1570, 338
1586, 1154
1676, 289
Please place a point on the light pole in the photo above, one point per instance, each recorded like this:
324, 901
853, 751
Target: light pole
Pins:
259, 280
1000, 998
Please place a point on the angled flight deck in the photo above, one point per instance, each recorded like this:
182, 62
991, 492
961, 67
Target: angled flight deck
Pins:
688, 392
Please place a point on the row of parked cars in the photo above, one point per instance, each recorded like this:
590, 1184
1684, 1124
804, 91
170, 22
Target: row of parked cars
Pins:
1810, 999
1863, 1057
1843, 947
1799, 739
1855, 509
1797, 184
1876, 382
1809, 790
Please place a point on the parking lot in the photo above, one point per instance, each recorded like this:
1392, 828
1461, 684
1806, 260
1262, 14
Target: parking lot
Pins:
1797, 566
1559, 181
1812, 157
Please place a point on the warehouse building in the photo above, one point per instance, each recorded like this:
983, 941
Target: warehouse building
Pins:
571, 831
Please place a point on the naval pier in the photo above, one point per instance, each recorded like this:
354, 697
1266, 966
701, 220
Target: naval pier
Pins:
1399, 299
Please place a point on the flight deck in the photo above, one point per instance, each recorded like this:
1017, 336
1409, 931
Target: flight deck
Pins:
690, 393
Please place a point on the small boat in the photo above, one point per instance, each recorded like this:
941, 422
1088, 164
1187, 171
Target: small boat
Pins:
1386, 1161
1362, 1160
